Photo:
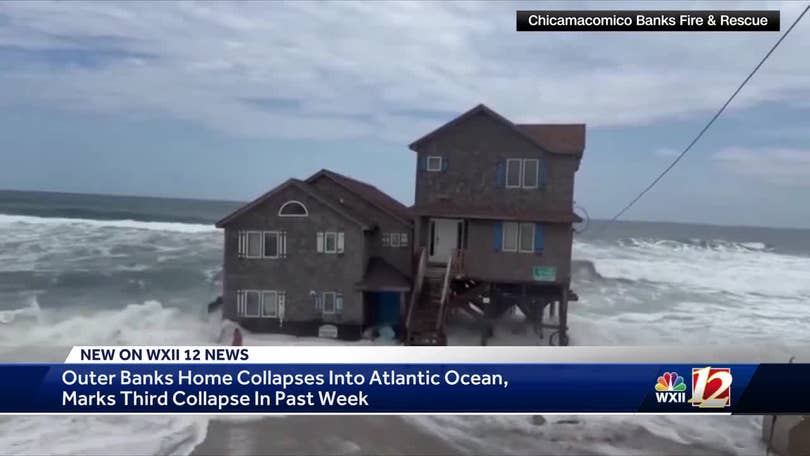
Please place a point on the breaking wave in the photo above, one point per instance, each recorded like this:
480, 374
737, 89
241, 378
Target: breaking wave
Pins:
22, 220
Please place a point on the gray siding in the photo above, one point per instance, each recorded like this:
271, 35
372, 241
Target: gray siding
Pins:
473, 150
304, 269
483, 261
398, 257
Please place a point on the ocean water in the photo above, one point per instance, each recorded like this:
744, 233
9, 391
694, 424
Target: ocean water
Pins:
79, 269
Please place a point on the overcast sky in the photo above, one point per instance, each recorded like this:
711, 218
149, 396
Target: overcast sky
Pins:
211, 100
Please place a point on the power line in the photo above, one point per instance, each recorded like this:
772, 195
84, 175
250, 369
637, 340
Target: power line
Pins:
708, 125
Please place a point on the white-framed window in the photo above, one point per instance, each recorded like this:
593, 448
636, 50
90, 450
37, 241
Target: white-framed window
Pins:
262, 244
259, 303
434, 163
293, 209
330, 242
254, 244
531, 172
522, 173
272, 244
514, 167
394, 239
332, 303
510, 236
526, 237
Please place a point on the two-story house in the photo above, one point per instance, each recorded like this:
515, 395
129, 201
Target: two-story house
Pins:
491, 228
327, 256
495, 199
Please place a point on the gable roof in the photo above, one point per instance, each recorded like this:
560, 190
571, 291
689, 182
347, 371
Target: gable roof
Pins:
560, 138
564, 139
381, 276
307, 189
369, 193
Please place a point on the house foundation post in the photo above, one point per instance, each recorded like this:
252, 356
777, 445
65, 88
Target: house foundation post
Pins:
563, 338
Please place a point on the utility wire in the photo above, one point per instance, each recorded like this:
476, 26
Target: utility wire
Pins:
708, 125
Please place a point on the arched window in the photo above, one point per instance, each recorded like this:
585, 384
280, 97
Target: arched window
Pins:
293, 209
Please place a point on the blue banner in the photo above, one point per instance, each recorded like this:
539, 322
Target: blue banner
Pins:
404, 388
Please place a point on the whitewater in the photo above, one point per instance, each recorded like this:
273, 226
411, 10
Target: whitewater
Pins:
69, 281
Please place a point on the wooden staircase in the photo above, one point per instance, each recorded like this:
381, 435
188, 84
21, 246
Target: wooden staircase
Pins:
429, 303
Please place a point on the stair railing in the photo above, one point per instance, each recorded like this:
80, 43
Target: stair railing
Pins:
445, 293
417, 285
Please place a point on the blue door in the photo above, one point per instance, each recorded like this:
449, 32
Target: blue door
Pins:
387, 309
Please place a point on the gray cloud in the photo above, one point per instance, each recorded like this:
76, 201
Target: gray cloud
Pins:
369, 69
774, 165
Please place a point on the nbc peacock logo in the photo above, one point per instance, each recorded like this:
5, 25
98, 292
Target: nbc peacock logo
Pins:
670, 388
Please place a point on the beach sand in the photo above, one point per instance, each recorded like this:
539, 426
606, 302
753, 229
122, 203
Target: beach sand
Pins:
327, 435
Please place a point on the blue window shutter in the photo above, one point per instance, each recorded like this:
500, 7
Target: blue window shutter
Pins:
498, 240
444, 163
542, 178
538, 237
422, 163
500, 175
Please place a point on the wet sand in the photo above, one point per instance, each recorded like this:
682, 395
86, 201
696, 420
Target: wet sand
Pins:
327, 435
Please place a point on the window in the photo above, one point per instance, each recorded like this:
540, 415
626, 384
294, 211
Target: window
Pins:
293, 209
522, 173
434, 163
394, 239
329, 303
270, 304
513, 167
332, 303
272, 244
260, 303
262, 244
527, 237
530, 168
251, 304
254, 244
330, 242
510, 237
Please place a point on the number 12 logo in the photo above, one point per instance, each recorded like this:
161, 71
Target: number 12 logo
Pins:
711, 387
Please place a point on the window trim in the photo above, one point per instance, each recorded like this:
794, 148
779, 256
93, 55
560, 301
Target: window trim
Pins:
427, 163
536, 173
503, 237
281, 209
520, 173
520, 237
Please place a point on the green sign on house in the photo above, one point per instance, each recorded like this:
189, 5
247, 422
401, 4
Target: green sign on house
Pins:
544, 273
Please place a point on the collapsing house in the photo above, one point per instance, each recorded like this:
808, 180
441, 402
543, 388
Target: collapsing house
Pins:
491, 228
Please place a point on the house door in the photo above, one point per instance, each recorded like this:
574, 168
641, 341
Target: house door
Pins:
444, 238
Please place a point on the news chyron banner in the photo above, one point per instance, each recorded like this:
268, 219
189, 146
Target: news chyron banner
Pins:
397, 380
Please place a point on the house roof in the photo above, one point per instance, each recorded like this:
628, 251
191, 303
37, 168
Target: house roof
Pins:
447, 208
560, 138
368, 192
304, 187
381, 276
564, 139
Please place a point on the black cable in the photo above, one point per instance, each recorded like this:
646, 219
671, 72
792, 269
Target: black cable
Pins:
708, 125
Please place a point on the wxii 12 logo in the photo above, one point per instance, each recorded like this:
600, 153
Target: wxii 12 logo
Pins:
711, 388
